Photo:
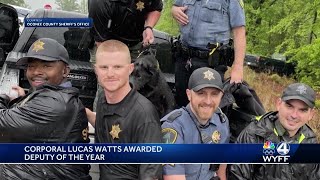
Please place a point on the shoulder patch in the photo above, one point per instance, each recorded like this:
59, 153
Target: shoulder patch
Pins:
169, 135
241, 3
272, 115
174, 116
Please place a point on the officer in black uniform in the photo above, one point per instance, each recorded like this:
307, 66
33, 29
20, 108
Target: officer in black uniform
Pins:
288, 124
51, 113
123, 115
129, 21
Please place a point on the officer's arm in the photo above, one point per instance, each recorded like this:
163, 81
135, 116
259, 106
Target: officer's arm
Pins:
151, 21
222, 172
239, 53
4, 100
152, 18
172, 134
91, 117
149, 132
174, 177
40, 110
154, 13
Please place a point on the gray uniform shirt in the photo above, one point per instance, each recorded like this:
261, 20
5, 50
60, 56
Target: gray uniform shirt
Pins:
210, 21
181, 127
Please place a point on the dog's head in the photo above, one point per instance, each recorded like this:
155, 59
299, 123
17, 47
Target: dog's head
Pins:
146, 70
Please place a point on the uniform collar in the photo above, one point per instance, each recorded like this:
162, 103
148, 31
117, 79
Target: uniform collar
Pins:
121, 108
282, 132
194, 118
66, 84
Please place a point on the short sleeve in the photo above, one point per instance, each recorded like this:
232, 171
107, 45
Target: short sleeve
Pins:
237, 15
172, 134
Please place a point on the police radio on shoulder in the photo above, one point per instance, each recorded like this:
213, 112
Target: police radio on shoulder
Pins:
146, 27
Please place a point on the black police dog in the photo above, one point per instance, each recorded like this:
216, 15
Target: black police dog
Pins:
149, 81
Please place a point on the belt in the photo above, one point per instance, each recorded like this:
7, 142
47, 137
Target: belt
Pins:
193, 52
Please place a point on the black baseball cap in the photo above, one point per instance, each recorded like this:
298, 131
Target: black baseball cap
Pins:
301, 92
46, 49
205, 77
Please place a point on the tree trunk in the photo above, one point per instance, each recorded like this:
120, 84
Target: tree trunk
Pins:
313, 22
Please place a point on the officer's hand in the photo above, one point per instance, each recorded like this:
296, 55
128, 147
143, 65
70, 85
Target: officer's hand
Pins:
148, 37
16, 91
19, 90
236, 74
91, 117
179, 15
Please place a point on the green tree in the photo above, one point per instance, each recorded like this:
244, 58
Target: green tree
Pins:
68, 5
83, 6
289, 27
166, 22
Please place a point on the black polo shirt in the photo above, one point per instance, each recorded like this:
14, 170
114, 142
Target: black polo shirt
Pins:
133, 120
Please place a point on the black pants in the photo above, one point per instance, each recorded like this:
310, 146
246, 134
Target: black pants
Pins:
182, 75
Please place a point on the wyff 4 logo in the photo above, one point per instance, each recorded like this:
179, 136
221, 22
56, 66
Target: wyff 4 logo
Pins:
282, 148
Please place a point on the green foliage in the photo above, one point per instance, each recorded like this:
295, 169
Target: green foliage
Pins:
15, 2
289, 27
166, 22
308, 63
83, 6
317, 104
68, 5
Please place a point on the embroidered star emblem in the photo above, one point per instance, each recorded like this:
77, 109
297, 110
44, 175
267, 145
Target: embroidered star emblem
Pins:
38, 45
140, 5
302, 89
115, 131
208, 75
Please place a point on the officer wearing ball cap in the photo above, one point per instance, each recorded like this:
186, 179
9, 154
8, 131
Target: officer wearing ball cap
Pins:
205, 77
50, 113
301, 92
295, 108
200, 122
46, 49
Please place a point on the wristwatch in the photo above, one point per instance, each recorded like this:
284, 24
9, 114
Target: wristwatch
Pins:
146, 27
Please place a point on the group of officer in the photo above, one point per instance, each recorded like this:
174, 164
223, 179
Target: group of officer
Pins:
124, 116
212, 38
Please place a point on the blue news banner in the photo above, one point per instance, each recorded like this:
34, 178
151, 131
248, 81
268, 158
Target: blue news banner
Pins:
58, 22
156, 153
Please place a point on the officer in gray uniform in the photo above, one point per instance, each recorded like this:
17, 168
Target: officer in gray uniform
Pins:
205, 40
201, 121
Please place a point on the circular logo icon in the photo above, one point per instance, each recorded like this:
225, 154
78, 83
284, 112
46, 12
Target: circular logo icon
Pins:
283, 148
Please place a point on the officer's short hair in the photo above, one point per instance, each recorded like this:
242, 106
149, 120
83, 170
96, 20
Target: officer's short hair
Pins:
113, 46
